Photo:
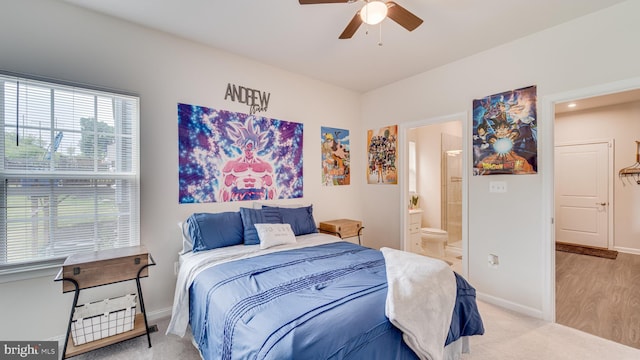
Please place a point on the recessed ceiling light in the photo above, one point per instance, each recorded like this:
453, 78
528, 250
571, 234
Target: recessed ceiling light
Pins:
572, 105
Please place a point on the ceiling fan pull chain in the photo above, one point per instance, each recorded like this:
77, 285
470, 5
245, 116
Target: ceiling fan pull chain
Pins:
380, 34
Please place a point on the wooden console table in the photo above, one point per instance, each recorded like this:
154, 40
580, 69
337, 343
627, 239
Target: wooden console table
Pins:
86, 270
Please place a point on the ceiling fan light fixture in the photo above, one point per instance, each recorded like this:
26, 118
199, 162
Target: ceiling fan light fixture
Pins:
373, 12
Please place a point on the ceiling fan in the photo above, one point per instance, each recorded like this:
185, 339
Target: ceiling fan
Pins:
373, 12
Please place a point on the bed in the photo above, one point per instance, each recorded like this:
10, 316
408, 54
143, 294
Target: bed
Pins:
307, 295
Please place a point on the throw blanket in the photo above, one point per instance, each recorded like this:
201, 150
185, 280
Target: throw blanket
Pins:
420, 300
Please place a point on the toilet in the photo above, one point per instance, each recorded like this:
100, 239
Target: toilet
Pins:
433, 242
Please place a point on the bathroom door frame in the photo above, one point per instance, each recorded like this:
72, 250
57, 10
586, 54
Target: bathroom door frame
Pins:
403, 154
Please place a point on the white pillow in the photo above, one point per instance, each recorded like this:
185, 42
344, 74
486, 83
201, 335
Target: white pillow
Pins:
274, 234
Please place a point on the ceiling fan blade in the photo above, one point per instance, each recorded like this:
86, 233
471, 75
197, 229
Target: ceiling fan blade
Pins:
351, 28
402, 16
309, 2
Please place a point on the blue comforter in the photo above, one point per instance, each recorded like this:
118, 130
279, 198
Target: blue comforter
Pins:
321, 302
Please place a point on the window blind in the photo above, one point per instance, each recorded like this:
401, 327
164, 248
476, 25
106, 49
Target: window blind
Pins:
69, 175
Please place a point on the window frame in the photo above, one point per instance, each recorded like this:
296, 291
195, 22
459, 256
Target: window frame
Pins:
44, 266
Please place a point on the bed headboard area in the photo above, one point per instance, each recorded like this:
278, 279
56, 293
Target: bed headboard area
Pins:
265, 226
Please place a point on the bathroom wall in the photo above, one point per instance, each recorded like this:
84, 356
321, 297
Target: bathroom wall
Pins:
429, 158
452, 163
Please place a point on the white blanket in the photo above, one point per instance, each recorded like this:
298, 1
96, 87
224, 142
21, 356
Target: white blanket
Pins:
192, 264
420, 300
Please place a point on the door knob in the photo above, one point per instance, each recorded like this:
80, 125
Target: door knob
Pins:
602, 204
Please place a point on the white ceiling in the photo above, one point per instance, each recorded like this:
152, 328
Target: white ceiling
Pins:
304, 38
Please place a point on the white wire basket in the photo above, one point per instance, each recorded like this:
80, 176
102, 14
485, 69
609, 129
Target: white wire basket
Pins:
102, 319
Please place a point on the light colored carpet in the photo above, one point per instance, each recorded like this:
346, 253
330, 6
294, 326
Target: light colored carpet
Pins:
508, 336
163, 347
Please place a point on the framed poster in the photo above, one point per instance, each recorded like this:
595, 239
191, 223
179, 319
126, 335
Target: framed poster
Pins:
227, 156
382, 155
505, 139
335, 156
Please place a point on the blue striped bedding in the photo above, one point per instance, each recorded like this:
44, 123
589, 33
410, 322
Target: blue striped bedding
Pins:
319, 302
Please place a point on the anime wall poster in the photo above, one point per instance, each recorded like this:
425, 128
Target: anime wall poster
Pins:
335, 156
382, 155
227, 156
505, 137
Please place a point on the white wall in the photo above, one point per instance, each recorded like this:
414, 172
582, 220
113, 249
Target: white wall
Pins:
56, 40
596, 49
621, 123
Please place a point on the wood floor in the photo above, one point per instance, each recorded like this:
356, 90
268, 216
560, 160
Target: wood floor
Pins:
600, 296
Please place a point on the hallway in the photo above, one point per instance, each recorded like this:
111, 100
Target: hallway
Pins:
600, 296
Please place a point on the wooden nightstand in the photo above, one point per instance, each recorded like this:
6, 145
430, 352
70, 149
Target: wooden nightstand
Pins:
344, 228
86, 270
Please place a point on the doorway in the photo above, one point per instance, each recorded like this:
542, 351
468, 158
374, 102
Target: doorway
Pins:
588, 208
440, 187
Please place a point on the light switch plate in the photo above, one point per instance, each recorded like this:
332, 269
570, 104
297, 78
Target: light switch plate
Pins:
498, 186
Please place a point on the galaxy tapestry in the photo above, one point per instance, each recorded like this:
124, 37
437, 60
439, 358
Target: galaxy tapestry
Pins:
505, 139
227, 156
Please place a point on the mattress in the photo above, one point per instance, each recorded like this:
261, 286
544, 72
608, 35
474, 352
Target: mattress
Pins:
320, 298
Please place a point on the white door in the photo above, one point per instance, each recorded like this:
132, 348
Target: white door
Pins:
581, 194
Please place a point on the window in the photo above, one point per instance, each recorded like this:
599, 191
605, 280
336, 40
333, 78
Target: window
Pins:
69, 171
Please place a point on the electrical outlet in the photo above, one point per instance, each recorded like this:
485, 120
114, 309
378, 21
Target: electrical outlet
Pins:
498, 186
493, 260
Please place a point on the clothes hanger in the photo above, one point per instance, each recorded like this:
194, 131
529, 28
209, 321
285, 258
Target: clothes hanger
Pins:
632, 173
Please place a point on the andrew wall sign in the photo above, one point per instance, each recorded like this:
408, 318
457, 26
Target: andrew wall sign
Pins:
256, 100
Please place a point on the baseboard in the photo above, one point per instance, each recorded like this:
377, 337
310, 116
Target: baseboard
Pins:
627, 250
525, 310
159, 314
59, 339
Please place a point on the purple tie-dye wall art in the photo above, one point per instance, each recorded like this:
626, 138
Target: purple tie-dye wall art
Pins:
228, 156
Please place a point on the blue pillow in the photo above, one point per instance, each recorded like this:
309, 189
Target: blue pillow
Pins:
257, 216
300, 219
211, 231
